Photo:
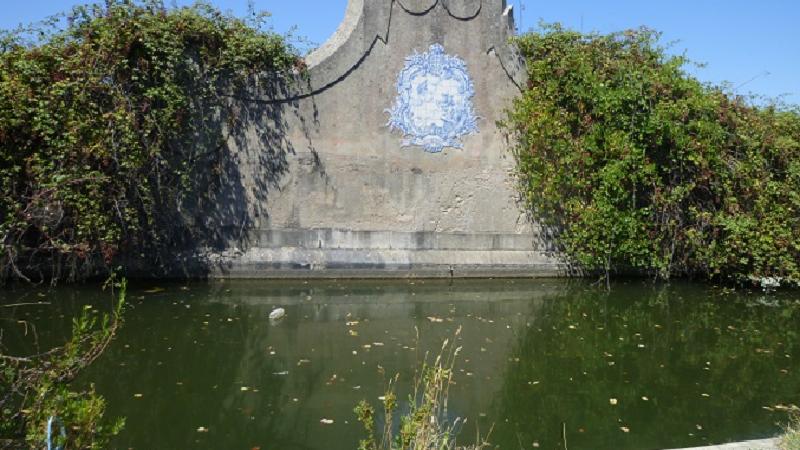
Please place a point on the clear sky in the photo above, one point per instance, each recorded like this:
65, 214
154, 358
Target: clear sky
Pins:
752, 44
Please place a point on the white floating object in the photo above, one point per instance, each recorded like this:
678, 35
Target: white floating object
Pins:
277, 313
770, 283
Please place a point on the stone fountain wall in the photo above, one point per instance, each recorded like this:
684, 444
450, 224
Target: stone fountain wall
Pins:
385, 159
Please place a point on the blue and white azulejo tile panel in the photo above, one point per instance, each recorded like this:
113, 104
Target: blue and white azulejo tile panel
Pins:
433, 108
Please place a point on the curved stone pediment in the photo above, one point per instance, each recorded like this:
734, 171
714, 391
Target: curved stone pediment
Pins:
368, 22
463, 9
460, 9
418, 6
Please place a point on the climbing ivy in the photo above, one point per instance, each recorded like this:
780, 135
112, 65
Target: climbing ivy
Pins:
637, 166
112, 118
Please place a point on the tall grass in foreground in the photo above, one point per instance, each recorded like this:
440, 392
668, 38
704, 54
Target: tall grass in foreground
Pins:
37, 391
791, 440
425, 426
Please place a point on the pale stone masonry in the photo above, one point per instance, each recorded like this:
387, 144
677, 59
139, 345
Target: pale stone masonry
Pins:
322, 186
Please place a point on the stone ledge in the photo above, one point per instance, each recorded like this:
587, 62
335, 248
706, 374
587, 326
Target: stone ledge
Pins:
335, 239
293, 262
763, 444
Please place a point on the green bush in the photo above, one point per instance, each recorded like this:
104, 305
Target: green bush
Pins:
101, 126
638, 167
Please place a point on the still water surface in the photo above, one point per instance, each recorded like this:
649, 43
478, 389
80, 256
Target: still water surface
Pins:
641, 367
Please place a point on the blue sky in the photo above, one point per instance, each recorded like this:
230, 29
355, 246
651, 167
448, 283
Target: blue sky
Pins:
753, 45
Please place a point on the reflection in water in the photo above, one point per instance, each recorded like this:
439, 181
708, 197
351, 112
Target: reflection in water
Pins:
649, 368
683, 364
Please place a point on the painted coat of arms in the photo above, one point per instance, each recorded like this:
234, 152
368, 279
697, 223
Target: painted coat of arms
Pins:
433, 108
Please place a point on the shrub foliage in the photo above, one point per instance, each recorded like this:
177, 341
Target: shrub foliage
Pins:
36, 388
638, 166
101, 116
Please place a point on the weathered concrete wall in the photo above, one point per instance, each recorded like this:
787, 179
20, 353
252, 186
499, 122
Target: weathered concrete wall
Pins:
328, 189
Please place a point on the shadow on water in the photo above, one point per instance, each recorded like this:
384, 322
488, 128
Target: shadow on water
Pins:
678, 365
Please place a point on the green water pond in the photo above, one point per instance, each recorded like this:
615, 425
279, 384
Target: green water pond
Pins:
201, 366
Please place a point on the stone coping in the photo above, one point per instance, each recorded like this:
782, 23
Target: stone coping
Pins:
762, 444
329, 238
362, 263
